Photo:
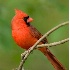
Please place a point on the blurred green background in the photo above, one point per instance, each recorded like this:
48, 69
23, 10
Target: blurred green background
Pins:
46, 15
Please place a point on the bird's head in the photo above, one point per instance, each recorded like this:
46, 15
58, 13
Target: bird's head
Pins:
22, 15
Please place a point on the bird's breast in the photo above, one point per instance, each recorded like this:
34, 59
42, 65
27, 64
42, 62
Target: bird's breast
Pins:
23, 38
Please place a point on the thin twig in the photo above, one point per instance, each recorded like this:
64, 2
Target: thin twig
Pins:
24, 57
53, 44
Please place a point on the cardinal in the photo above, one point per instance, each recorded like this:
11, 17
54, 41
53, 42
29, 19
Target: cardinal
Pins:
25, 36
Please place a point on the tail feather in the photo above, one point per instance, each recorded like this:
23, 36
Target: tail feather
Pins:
54, 61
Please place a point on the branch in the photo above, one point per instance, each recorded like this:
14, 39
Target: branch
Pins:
27, 53
54, 43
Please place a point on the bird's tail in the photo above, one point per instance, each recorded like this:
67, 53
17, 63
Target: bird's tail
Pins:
54, 61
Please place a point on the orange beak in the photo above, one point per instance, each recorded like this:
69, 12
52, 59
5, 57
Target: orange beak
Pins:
29, 20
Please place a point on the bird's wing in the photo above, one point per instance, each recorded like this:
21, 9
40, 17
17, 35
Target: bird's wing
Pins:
35, 33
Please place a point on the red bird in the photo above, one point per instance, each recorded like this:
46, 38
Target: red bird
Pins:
25, 35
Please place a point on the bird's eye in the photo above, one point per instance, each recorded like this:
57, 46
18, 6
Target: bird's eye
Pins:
25, 18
